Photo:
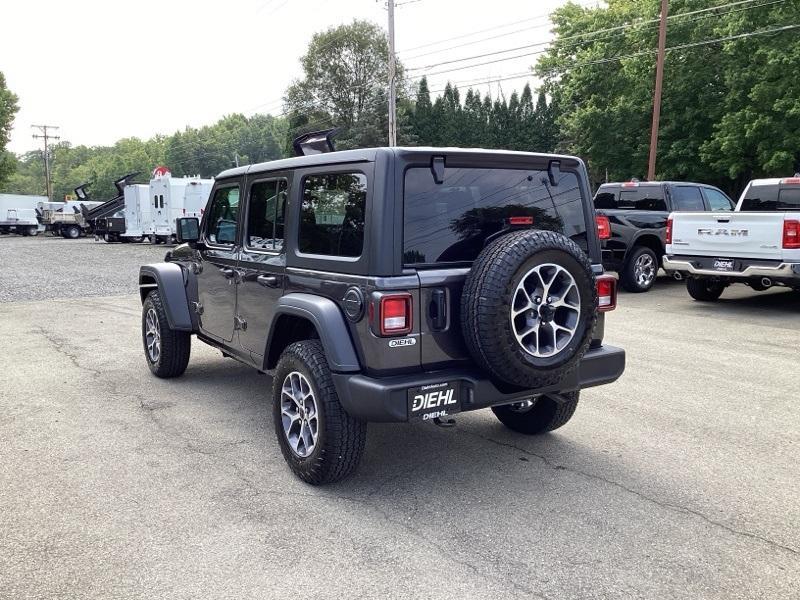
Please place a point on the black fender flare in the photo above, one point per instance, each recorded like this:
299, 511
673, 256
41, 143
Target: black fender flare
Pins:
329, 322
171, 284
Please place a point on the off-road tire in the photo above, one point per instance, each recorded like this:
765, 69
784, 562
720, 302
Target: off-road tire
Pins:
486, 307
341, 437
704, 290
176, 346
545, 415
628, 276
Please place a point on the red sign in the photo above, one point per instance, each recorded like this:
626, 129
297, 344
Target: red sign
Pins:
161, 172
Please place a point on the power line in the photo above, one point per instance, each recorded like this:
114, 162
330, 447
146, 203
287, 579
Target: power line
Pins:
591, 33
466, 35
680, 47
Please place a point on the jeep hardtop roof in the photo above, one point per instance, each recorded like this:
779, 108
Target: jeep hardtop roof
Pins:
370, 154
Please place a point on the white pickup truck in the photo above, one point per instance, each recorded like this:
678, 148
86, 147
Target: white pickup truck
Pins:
758, 244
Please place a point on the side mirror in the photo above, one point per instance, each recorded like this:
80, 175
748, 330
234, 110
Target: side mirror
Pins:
187, 229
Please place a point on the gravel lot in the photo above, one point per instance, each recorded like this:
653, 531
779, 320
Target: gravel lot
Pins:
679, 481
45, 267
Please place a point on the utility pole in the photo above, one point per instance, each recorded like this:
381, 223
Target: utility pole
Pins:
392, 79
662, 42
46, 137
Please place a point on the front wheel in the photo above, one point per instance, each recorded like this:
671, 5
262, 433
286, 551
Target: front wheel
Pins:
704, 290
73, 232
33, 231
166, 350
320, 442
540, 415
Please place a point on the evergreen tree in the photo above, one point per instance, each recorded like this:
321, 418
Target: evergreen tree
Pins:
422, 120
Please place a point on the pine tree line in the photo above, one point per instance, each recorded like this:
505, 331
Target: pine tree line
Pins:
516, 124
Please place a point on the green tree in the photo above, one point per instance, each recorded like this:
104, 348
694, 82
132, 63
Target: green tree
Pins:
422, 119
759, 132
8, 110
726, 110
344, 85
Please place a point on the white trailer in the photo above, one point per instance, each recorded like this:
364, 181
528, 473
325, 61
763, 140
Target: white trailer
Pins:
137, 211
18, 214
173, 197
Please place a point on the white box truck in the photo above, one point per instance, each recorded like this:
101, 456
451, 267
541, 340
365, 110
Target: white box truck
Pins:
173, 197
18, 214
138, 211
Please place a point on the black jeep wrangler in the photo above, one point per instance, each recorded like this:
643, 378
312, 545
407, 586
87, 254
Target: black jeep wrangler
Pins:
390, 285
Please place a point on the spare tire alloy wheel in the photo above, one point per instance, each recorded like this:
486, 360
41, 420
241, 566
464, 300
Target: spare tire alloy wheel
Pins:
546, 310
299, 414
529, 307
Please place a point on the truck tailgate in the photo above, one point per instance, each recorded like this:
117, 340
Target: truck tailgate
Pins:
741, 234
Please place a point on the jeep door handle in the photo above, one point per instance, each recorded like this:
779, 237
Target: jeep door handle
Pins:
267, 280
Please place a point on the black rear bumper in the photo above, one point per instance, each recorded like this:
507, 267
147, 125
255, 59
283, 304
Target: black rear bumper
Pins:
384, 399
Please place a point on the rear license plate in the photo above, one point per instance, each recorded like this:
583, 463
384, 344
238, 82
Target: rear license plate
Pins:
723, 264
434, 400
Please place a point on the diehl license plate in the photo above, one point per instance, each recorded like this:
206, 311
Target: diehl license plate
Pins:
723, 264
434, 400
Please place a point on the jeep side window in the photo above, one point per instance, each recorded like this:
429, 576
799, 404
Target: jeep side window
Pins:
223, 215
332, 214
265, 215
718, 201
687, 198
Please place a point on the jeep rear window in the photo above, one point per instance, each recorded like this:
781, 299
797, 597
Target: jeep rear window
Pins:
642, 197
452, 221
771, 197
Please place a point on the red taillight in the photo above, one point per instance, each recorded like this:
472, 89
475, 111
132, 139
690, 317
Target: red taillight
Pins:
395, 314
520, 220
606, 293
603, 227
791, 235
791, 180
669, 231
630, 184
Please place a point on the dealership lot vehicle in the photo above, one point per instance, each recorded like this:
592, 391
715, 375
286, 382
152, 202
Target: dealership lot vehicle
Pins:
634, 215
758, 244
655, 489
18, 214
377, 305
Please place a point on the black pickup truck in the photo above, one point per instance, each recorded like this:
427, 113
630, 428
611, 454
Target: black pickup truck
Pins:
637, 214
390, 285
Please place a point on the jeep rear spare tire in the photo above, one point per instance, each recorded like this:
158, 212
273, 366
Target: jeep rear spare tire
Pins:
528, 308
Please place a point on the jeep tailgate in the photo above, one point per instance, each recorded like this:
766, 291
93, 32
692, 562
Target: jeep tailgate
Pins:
755, 235
441, 341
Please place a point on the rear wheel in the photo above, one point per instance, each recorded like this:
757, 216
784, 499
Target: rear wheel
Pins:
33, 230
704, 290
166, 350
640, 270
320, 442
538, 416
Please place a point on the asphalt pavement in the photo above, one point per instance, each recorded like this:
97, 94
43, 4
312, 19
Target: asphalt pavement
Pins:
681, 480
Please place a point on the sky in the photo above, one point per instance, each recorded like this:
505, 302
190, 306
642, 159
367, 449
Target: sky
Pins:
105, 70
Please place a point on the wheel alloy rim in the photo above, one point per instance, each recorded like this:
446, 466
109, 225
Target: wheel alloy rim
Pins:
152, 335
299, 414
545, 310
644, 270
